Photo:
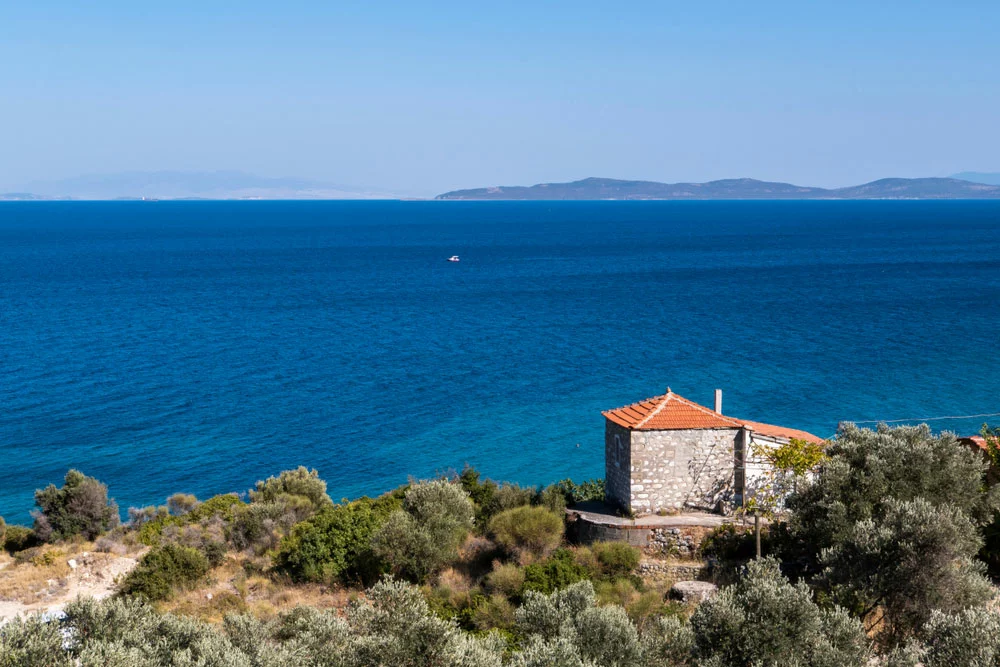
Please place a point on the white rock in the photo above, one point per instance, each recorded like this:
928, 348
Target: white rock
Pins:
71, 563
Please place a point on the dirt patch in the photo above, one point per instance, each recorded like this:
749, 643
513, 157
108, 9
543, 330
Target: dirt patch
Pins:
48, 584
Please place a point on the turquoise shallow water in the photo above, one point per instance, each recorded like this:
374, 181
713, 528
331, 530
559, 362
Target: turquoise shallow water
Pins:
199, 346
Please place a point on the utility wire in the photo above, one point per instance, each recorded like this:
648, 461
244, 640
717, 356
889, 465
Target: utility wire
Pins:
922, 419
926, 419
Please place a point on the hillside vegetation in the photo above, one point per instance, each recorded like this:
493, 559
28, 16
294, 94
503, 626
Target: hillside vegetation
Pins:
883, 559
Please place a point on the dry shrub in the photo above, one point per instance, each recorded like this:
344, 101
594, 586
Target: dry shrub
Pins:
496, 612
455, 580
506, 579
529, 532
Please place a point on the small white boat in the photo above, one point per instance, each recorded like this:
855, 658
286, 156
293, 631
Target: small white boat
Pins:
453, 258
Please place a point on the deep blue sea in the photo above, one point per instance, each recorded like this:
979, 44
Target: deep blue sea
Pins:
200, 346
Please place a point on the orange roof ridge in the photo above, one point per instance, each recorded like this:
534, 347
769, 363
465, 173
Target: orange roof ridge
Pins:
673, 412
669, 411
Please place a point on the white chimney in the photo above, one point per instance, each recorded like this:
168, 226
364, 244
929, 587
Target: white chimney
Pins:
718, 401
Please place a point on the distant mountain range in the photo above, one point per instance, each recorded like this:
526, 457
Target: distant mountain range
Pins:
190, 185
737, 188
978, 177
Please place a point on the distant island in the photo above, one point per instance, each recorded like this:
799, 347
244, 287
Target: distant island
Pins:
734, 188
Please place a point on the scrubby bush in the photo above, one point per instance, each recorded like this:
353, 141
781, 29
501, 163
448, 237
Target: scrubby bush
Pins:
258, 527
19, 538
153, 522
552, 499
180, 504
336, 543
616, 559
506, 578
591, 489
110, 545
301, 490
765, 620
528, 532
79, 507
425, 535
164, 568
557, 572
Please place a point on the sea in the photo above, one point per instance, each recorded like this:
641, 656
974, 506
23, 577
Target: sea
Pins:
202, 346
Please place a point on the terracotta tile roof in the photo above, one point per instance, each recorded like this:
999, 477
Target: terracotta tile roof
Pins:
977, 440
781, 431
667, 412
672, 412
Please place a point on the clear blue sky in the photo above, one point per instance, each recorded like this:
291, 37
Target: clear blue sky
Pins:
426, 97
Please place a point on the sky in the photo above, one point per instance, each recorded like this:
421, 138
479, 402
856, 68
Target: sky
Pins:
421, 98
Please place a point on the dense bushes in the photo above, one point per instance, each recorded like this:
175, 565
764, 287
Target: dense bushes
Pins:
867, 468
616, 559
591, 489
164, 568
300, 490
18, 538
528, 532
559, 571
764, 620
79, 507
425, 535
336, 543
890, 526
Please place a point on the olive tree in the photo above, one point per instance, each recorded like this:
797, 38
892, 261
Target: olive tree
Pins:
79, 507
864, 469
896, 570
425, 535
766, 621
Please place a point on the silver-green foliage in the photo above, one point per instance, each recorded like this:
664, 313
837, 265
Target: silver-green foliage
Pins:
31, 642
916, 558
425, 535
765, 621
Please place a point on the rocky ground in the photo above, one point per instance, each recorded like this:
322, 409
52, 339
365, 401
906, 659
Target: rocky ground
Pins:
50, 582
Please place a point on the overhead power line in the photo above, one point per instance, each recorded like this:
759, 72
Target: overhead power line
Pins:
927, 419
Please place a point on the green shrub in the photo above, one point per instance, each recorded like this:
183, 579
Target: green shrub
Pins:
591, 489
19, 538
506, 578
152, 521
294, 486
552, 499
32, 642
425, 536
164, 568
180, 504
79, 507
480, 492
335, 544
493, 613
763, 619
616, 559
3, 531
555, 573
257, 527
529, 532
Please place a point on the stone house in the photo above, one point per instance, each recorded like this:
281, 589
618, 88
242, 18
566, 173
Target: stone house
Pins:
668, 453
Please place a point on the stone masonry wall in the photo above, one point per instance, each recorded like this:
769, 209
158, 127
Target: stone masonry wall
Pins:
671, 470
617, 465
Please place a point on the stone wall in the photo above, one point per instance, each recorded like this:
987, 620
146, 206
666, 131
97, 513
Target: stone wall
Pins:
672, 470
617, 465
